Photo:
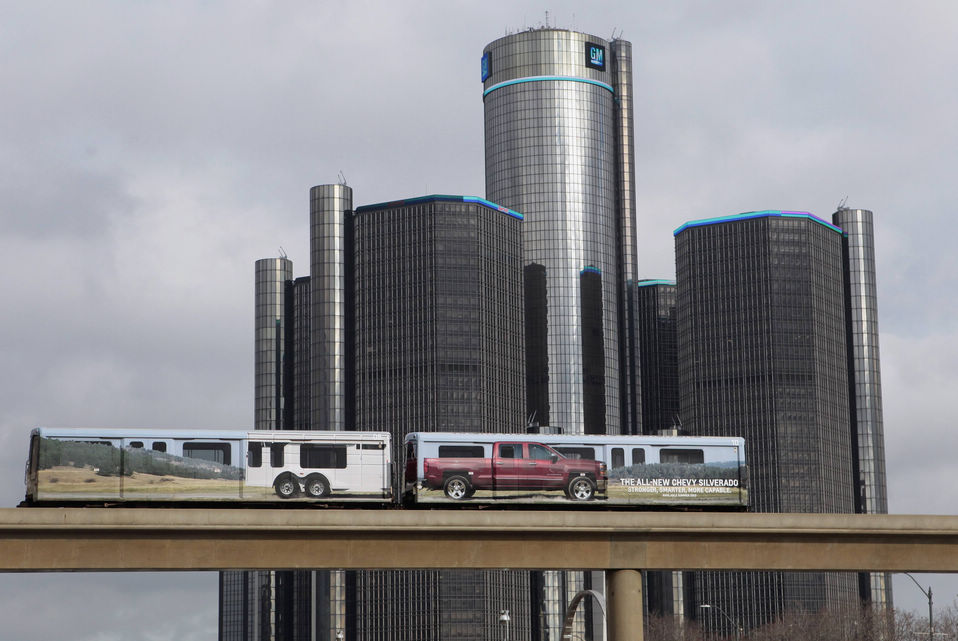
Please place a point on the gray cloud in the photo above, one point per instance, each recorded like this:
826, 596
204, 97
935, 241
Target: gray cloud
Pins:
150, 153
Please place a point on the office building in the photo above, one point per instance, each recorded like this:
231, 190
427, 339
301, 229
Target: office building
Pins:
558, 135
439, 344
865, 381
762, 354
666, 592
559, 148
330, 354
271, 275
658, 355
438, 317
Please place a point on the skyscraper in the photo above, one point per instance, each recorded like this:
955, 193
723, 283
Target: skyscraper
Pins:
271, 275
865, 381
438, 317
558, 134
559, 148
658, 355
329, 282
762, 354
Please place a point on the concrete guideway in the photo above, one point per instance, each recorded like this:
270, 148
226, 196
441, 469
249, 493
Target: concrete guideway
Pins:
78, 539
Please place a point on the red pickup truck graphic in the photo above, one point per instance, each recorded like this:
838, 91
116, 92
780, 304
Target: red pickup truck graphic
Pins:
516, 466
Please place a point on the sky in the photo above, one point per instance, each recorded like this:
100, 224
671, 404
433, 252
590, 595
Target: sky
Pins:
150, 152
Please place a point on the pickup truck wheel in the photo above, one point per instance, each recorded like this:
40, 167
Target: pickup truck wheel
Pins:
456, 487
286, 487
581, 488
317, 486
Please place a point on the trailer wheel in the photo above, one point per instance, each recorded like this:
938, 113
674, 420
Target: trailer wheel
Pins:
581, 488
286, 487
456, 487
317, 486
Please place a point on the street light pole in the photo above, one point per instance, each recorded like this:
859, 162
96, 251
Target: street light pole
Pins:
505, 618
927, 593
738, 628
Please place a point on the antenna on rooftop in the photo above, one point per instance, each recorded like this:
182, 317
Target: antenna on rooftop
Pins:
282, 252
342, 178
547, 19
841, 205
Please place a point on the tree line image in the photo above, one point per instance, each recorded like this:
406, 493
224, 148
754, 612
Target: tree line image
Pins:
106, 460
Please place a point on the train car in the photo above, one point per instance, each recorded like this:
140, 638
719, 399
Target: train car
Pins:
98, 465
653, 472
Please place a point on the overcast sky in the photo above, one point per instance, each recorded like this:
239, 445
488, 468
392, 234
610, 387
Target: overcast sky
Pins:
150, 152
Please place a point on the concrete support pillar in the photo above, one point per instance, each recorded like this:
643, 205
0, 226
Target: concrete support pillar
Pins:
625, 605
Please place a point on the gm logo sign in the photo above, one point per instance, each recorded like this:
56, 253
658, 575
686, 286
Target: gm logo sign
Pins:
595, 56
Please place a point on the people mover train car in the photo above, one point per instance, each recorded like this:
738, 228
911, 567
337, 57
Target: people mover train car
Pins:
646, 471
76, 466
86, 465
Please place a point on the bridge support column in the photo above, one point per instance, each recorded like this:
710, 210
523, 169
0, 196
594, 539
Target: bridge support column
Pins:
625, 605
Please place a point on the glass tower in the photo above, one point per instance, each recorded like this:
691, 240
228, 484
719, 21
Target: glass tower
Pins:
439, 344
558, 135
328, 208
865, 380
762, 354
270, 341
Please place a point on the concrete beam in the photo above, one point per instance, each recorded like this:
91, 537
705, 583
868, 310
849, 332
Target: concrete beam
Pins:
48, 539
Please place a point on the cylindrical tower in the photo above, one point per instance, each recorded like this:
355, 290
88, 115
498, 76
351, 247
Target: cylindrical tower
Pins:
550, 134
631, 384
328, 207
269, 342
861, 301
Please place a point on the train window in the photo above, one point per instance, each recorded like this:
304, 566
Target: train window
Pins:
410, 450
322, 456
215, 452
618, 457
539, 452
584, 453
373, 446
255, 455
460, 451
136, 445
674, 455
277, 453
158, 446
638, 455
509, 451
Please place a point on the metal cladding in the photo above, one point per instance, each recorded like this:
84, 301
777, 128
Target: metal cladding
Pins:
329, 206
559, 149
865, 371
270, 344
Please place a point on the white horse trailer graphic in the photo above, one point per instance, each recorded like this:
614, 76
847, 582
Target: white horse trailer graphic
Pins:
96, 464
